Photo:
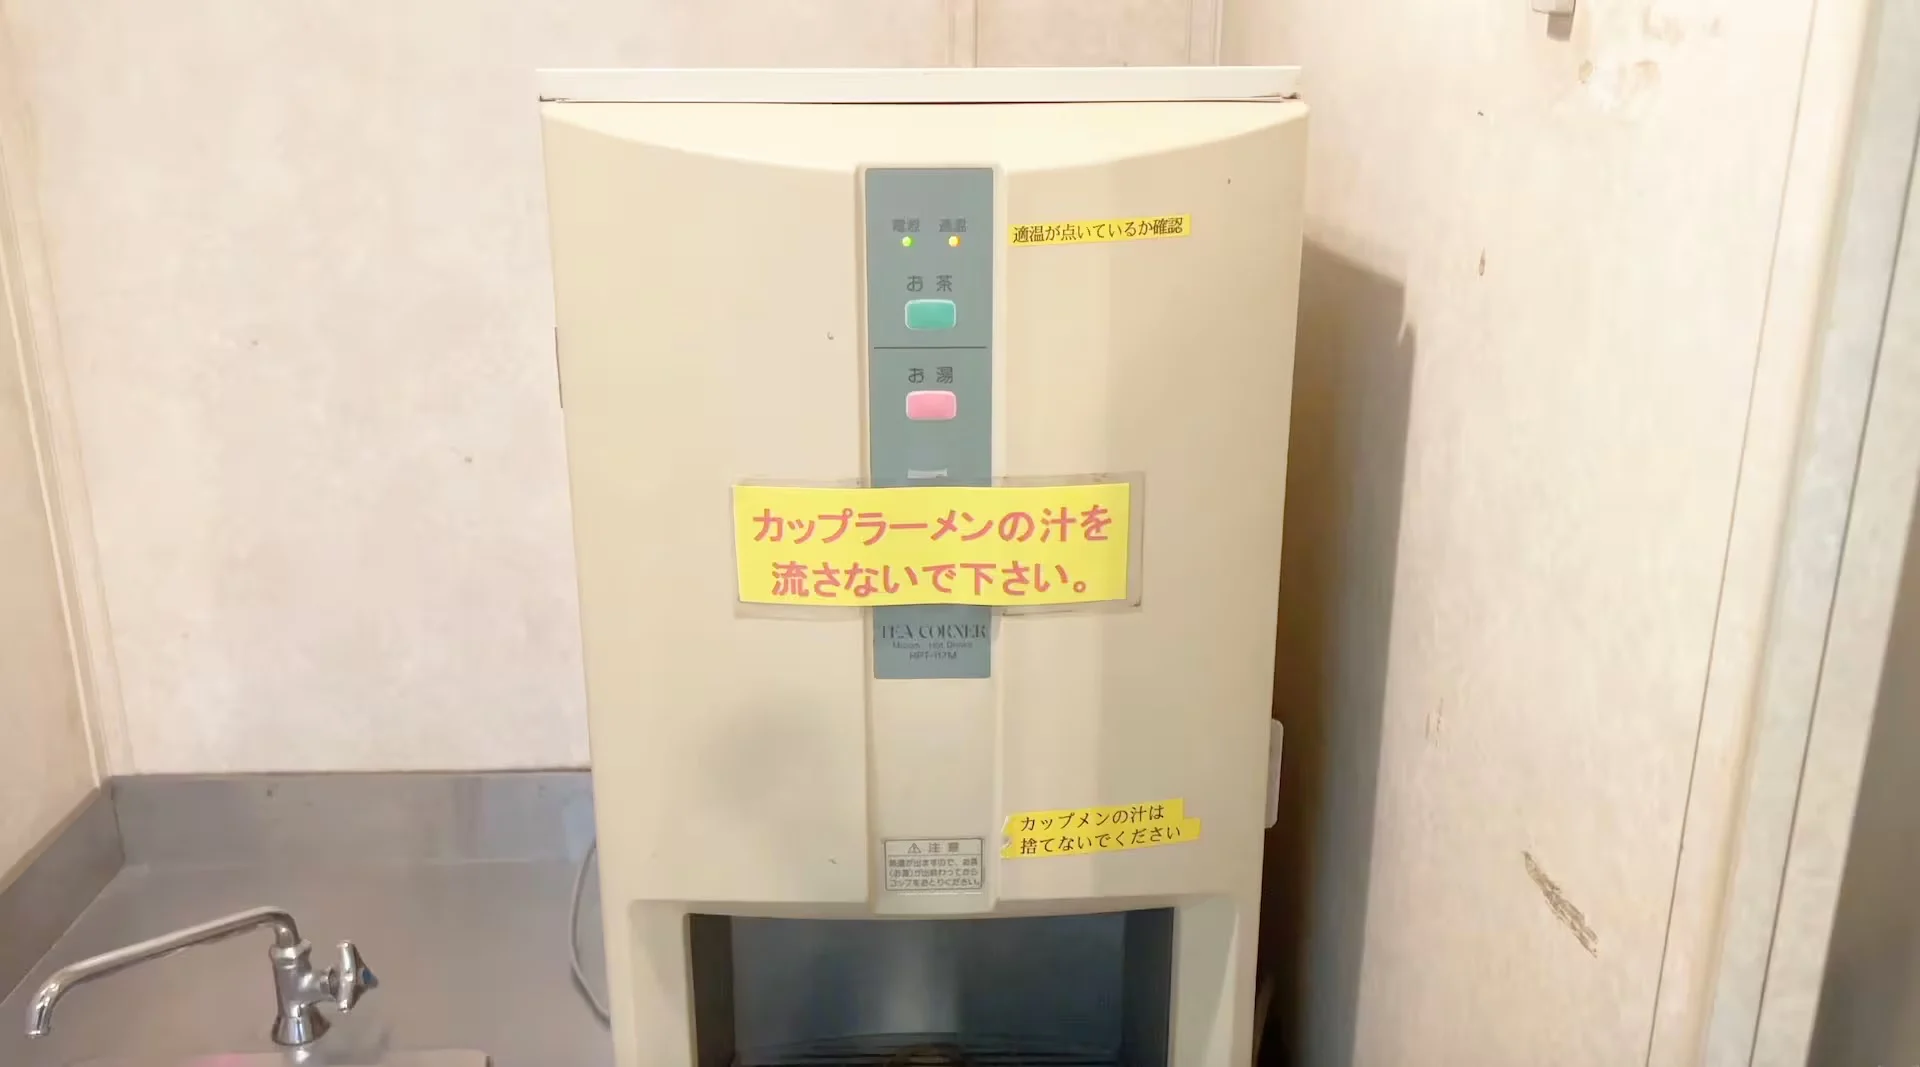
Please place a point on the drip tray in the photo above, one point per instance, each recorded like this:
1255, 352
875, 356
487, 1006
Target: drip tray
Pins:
926, 1050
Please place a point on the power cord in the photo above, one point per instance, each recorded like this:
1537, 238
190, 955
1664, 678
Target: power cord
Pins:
573, 936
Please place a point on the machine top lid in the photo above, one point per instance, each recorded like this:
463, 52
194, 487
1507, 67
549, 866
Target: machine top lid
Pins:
918, 85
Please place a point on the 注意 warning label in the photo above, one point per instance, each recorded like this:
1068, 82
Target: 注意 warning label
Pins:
935, 865
1108, 828
1004, 546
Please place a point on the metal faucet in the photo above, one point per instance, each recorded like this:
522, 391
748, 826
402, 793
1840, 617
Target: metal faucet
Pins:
298, 989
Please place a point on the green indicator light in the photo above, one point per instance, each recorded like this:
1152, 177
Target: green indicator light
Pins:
906, 242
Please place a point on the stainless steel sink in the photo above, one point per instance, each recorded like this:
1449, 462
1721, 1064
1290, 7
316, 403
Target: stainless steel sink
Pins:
303, 1058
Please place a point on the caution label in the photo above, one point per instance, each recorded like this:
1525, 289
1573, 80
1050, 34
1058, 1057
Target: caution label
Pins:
935, 865
1094, 231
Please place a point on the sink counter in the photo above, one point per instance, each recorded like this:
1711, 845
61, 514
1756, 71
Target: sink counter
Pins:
469, 955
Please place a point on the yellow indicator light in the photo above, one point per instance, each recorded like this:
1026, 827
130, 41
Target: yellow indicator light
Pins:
906, 242
954, 241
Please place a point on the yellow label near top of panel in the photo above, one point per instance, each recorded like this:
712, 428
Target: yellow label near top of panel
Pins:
1095, 231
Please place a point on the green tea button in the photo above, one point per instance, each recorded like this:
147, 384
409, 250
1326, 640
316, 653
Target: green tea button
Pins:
930, 315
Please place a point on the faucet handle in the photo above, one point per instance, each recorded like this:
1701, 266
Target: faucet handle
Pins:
351, 980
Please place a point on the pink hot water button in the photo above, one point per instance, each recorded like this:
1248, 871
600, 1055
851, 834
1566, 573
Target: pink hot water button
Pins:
931, 405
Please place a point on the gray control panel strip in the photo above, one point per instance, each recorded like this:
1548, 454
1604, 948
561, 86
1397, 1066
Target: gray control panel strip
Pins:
930, 381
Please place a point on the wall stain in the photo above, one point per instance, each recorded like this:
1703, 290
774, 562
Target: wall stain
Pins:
1483, 263
1674, 28
1563, 909
1665, 28
1622, 89
1621, 48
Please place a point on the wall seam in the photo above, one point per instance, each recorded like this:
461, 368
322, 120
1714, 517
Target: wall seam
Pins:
963, 33
55, 432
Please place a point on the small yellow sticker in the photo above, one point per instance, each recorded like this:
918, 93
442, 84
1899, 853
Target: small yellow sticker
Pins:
1119, 828
1093, 231
1007, 546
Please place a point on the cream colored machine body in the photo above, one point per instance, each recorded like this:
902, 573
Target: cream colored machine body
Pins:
731, 276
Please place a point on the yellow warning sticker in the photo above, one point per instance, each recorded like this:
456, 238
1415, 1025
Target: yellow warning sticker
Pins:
1007, 546
1093, 231
1119, 828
